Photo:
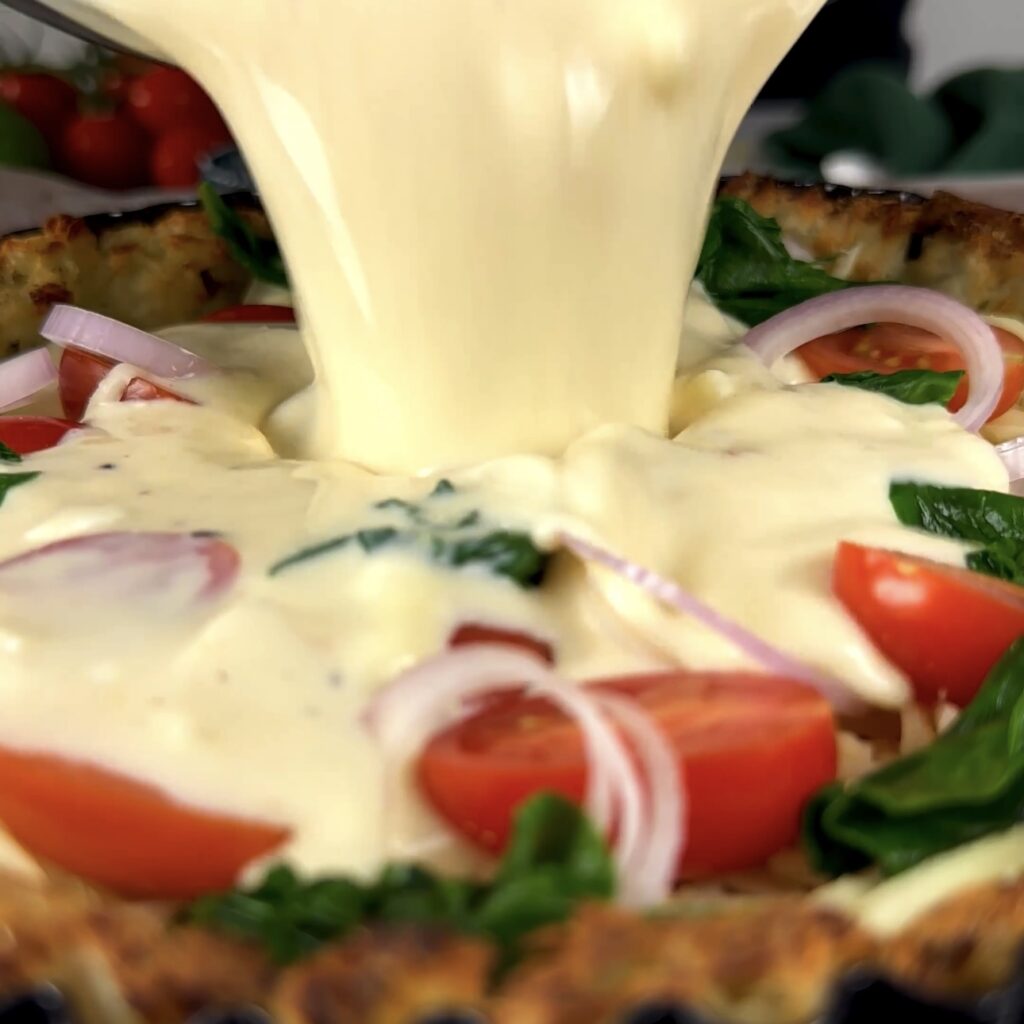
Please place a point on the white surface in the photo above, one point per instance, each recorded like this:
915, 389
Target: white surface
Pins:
954, 35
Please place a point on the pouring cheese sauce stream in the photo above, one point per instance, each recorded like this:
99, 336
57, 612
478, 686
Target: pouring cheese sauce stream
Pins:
490, 212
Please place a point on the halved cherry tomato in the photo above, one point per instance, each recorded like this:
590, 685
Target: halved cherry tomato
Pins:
945, 627
123, 834
477, 633
167, 98
886, 348
28, 434
753, 750
254, 313
105, 149
178, 152
183, 569
80, 374
46, 100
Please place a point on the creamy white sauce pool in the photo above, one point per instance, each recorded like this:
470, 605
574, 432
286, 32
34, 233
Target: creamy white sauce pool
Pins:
251, 705
491, 212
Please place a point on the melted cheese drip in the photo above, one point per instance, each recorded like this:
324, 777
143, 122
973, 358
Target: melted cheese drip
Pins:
490, 212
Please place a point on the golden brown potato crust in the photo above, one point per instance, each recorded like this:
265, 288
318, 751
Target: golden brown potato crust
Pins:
384, 976
970, 251
150, 271
762, 960
765, 961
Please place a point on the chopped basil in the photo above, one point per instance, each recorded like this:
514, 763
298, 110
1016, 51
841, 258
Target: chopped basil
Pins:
554, 861
746, 270
455, 543
968, 783
258, 254
992, 519
914, 387
8, 454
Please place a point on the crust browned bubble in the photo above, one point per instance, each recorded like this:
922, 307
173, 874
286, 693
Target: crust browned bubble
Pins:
968, 250
147, 271
766, 961
968, 945
385, 976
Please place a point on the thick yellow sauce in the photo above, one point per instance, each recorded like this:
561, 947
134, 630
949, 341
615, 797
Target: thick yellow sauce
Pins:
490, 212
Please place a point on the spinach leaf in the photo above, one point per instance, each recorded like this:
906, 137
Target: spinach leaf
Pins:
746, 270
8, 454
456, 543
991, 518
8, 481
915, 387
259, 255
967, 783
555, 860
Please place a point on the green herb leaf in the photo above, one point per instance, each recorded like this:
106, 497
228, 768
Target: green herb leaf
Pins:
968, 783
8, 481
314, 551
503, 552
555, 860
259, 255
746, 270
992, 519
458, 543
8, 454
914, 387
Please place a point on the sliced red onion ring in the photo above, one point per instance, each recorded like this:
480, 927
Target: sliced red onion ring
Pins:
24, 376
178, 569
915, 307
770, 658
440, 690
436, 692
71, 327
649, 875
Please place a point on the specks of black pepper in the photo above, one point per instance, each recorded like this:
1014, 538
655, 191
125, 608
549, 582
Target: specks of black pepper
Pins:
334, 680
146, 493
107, 465
205, 534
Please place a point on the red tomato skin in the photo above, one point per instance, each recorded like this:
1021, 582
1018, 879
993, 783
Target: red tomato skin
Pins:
123, 834
80, 373
886, 348
167, 98
945, 627
470, 633
744, 802
116, 85
46, 100
28, 434
252, 313
107, 150
174, 162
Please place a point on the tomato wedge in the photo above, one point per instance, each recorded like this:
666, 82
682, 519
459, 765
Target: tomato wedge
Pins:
945, 627
754, 749
255, 313
123, 834
886, 348
179, 568
470, 633
80, 374
28, 434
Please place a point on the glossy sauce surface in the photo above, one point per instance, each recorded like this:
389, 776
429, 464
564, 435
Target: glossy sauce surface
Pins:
490, 212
